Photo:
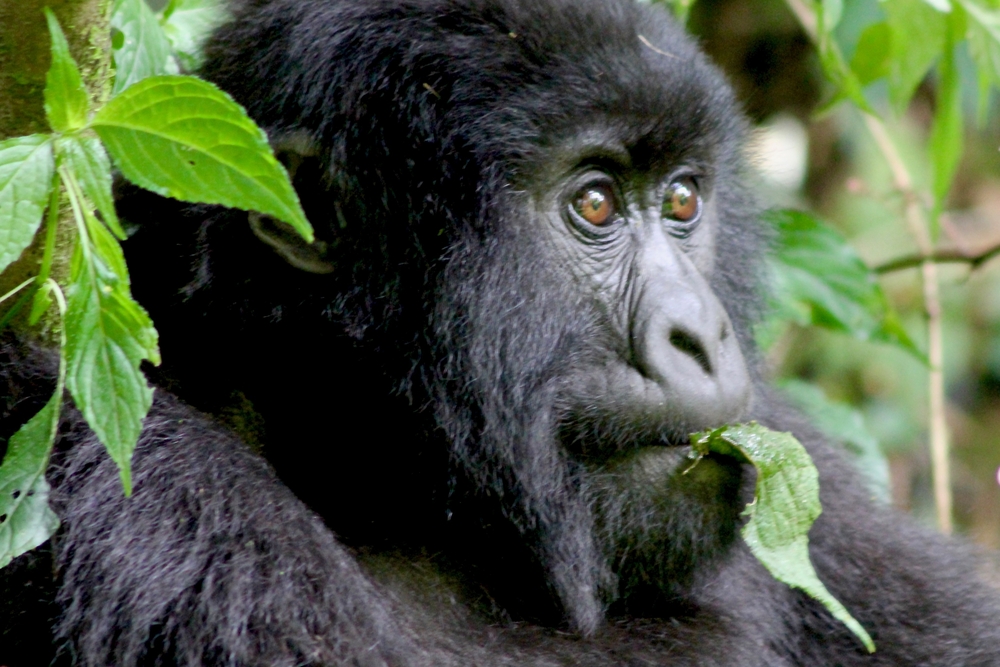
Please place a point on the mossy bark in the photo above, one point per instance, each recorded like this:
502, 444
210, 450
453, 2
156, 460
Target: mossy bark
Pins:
24, 60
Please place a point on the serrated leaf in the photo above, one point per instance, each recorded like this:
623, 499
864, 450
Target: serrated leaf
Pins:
785, 505
27, 165
66, 101
108, 336
918, 39
187, 23
25, 518
819, 280
871, 57
846, 425
86, 157
145, 50
184, 138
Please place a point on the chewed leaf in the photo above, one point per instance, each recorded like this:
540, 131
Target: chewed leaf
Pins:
109, 335
846, 425
786, 503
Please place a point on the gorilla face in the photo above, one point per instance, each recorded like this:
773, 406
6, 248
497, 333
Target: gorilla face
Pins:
638, 241
561, 196
595, 338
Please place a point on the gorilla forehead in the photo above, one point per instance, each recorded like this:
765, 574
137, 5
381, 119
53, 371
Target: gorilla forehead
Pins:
617, 69
496, 79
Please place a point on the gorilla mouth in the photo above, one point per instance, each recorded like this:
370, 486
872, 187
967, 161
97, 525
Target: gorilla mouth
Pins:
612, 411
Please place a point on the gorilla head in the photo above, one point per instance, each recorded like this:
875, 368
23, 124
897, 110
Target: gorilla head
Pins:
530, 218
530, 215
535, 273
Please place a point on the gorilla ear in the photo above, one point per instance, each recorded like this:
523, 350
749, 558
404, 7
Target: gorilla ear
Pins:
292, 149
289, 245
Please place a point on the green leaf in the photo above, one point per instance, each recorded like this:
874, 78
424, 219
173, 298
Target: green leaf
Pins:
983, 26
945, 143
846, 425
819, 280
984, 36
108, 336
86, 157
40, 303
838, 72
25, 518
943, 6
184, 138
187, 23
918, 39
832, 11
871, 57
66, 102
144, 50
27, 166
785, 505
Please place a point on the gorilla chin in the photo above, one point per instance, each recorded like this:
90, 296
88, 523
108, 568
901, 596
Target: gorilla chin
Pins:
662, 521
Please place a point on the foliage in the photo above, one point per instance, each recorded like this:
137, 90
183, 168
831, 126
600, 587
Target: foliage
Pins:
876, 58
784, 507
209, 151
146, 44
817, 279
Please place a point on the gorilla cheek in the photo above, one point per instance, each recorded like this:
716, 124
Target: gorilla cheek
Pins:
684, 342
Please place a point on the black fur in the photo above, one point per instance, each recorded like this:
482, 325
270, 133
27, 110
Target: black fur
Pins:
422, 400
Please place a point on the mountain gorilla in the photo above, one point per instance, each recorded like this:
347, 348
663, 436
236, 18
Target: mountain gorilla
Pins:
536, 271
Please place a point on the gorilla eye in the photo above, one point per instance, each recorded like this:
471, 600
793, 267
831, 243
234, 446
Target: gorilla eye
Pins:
682, 203
595, 204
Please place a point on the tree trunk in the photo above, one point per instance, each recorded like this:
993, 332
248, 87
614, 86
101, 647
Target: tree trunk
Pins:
24, 61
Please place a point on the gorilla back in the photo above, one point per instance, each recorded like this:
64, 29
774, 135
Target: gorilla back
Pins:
537, 269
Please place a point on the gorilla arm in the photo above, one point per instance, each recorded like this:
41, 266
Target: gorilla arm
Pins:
212, 560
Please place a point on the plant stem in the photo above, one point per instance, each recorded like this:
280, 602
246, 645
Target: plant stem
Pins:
939, 257
917, 223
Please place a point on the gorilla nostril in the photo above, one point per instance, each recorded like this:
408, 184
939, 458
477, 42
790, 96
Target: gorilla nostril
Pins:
690, 346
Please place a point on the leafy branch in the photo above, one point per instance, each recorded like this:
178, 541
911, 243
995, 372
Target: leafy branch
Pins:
175, 135
916, 37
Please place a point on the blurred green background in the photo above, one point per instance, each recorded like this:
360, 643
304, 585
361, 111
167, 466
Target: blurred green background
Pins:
827, 163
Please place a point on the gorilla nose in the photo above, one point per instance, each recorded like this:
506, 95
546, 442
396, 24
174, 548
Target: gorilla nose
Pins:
687, 349
690, 345
683, 341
